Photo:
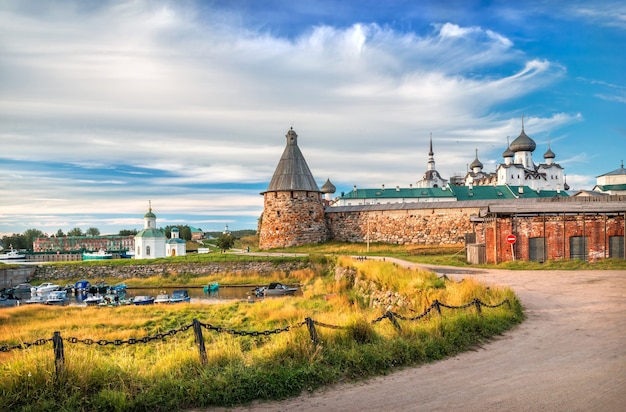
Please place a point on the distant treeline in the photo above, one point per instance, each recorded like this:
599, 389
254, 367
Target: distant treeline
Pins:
24, 241
235, 233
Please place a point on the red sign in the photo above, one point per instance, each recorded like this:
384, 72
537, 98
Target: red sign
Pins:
511, 239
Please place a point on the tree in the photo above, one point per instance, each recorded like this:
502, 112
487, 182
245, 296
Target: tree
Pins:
16, 241
30, 235
60, 233
225, 242
184, 232
93, 231
127, 232
75, 232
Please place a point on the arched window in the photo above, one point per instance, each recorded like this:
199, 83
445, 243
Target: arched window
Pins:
147, 250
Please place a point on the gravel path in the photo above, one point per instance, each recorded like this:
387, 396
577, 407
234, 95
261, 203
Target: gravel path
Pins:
569, 355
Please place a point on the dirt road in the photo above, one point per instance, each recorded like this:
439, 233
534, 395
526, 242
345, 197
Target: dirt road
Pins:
569, 355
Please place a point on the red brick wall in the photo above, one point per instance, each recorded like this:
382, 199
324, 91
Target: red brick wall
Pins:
557, 230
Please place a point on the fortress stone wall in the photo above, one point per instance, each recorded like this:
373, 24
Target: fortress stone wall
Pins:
292, 218
418, 225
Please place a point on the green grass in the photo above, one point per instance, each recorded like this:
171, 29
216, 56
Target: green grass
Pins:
168, 375
446, 256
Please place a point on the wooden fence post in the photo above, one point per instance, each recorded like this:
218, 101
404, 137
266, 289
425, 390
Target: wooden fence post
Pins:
437, 305
197, 329
477, 304
59, 356
311, 326
393, 320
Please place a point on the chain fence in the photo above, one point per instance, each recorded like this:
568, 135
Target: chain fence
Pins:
197, 326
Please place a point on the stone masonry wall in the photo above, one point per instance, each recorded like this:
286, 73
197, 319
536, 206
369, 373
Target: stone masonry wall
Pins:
56, 272
418, 226
292, 219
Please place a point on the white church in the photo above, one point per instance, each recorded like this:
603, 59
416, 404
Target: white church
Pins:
151, 243
519, 169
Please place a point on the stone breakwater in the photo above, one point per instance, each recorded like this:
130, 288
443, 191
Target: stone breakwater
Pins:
54, 272
369, 291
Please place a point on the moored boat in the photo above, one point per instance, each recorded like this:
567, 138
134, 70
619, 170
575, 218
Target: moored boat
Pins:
113, 299
99, 255
44, 288
12, 254
211, 287
35, 299
57, 297
275, 289
143, 300
118, 288
82, 287
92, 300
6, 301
127, 254
179, 296
162, 298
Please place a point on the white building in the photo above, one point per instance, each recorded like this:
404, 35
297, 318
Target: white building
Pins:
175, 246
431, 178
612, 183
519, 168
150, 242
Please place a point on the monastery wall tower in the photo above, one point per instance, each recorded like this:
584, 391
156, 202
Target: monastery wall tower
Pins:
293, 212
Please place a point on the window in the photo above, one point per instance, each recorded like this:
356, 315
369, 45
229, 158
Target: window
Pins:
147, 250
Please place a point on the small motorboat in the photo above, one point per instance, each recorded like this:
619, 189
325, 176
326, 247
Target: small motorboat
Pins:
162, 298
143, 300
275, 289
12, 255
92, 300
22, 288
82, 287
179, 296
57, 297
35, 299
6, 301
127, 254
99, 255
99, 288
118, 287
211, 287
112, 299
44, 288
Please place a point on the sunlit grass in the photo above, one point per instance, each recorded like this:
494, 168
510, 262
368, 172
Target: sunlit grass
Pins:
167, 374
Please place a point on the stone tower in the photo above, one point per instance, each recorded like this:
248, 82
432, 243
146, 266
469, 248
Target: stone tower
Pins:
293, 212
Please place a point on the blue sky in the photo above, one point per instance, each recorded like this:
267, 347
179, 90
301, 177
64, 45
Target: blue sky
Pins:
106, 105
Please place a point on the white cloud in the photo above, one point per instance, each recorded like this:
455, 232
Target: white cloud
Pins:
158, 85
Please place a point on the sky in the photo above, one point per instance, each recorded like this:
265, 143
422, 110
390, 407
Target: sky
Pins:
109, 106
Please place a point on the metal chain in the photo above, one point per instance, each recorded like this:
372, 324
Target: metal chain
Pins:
24, 345
129, 341
268, 332
208, 326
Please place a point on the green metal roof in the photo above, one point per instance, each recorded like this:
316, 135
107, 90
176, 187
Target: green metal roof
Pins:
606, 188
482, 192
455, 193
150, 233
529, 193
406, 193
175, 240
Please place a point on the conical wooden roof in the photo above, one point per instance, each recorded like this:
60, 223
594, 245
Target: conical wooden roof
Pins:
292, 172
